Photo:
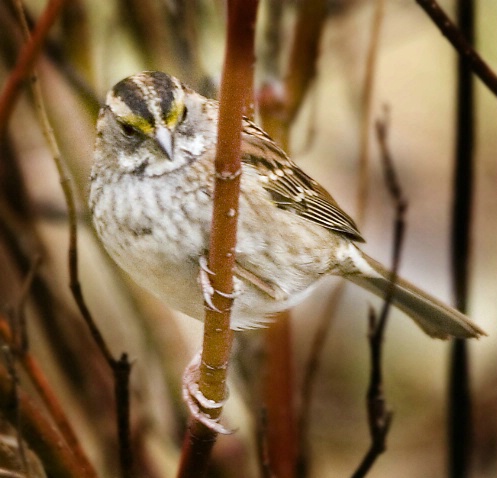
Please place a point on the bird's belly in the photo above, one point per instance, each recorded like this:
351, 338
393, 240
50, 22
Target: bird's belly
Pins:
159, 242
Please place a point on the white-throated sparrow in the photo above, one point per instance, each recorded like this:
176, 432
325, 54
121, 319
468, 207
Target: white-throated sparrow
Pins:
151, 200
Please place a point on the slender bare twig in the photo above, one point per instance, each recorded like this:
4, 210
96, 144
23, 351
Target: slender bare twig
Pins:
312, 366
12, 371
58, 459
235, 98
121, 368
50, 400
379, 416
302, 64
460, 43
21, 338
459, 415
366, 109
310, 375
27, 57
262, 445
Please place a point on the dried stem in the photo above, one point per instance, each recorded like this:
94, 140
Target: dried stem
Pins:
12, 371
278, 114
26, 60
56, 411
310, 375
21, 338
461, 43
459, 416
379, 416
17, 342
58, 459
279, 398
324, 325
366, 109
302, 65
262, 445
120, 368
235, 98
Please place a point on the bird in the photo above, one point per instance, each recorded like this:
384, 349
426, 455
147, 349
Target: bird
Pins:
151, 190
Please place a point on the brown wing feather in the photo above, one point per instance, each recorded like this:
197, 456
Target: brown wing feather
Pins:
290, 188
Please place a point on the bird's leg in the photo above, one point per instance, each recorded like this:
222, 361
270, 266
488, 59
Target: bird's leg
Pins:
197, 402
271, 290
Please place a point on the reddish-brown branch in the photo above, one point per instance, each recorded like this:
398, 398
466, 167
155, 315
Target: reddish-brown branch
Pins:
235, 98
121, 369
310, 376
50, 400
460, 43
26, 60
278, 114
279, 399
58, 459
302, 65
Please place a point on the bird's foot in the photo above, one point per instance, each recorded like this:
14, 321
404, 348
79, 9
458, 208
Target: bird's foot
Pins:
197, 402
208, 291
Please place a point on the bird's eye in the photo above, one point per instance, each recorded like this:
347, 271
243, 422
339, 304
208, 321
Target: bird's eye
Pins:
129, 130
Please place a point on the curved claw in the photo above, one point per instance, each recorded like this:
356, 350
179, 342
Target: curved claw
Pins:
237, 290
205, 284
203, 265
208, 291
196, 400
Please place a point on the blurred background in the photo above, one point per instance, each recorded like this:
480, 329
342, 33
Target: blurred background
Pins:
95, 44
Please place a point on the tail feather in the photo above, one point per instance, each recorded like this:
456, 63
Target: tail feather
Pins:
433, 316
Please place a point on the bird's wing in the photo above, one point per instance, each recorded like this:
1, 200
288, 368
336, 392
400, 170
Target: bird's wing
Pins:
290, 188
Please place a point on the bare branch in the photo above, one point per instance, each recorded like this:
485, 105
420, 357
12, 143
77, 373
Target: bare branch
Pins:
366, 108
26, 60
460, 434
120, 368
38, 432
460, 43
379, 416
236, 96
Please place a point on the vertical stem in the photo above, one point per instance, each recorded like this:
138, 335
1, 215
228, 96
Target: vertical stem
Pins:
236, 96
460, 400
366, 107
278, 394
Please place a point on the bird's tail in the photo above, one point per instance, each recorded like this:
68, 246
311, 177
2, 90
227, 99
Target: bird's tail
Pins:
434, 317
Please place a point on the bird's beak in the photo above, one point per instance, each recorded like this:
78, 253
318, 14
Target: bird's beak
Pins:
165, 139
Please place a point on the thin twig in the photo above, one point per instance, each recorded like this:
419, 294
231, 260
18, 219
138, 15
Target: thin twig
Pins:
58, 459
310, 375
302, 64
26, 60
459, 415
366, 109
50, 400
122, 371
12, 371
379, 416
21, 337
262, 445
312, 366
460, 43
120, 368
